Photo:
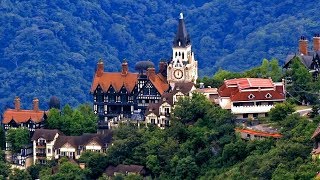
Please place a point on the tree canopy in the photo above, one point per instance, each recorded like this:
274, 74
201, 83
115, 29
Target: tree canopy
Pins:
72, 121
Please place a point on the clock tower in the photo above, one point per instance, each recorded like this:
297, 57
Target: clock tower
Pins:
183, 67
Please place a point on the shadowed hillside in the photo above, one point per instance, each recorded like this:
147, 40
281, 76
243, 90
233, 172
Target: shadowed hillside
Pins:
51, 47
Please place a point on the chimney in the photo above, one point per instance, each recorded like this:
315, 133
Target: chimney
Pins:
162, 66
316, 42
17, 103
124, 67
151, 73
303, 45
35, 104
100, 68
201, 85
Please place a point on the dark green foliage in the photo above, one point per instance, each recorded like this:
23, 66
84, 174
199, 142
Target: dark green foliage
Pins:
303, 88
95, 164
267, 69
180, 151
2, 138
20, 174
66, 171
18, 138
69, 37
280, 111
4, 167
34, 170
73, 122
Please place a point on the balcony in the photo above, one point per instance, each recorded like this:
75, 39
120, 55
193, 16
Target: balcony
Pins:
41, 155
166, 114
251, 109
41, 145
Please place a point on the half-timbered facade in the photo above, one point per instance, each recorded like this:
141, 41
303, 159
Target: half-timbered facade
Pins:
116, 95
17, 117
30, 119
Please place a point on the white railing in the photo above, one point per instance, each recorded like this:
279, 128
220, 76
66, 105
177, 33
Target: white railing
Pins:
251, 109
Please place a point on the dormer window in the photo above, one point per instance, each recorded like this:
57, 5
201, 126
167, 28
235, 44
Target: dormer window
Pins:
251, 96
268, 96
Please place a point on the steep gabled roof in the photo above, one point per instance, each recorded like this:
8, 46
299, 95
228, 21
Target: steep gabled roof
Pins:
154, 107
185, 88
83, 140
22, 116
182, 38
160, 83
47, 134
116, 80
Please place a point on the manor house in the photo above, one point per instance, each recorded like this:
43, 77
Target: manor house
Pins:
125, 94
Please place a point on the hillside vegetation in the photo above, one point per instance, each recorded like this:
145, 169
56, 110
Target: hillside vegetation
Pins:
51, 47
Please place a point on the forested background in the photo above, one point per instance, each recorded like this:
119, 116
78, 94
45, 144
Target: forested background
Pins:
51, 47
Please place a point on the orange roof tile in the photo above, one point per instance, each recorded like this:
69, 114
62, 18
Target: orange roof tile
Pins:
22, 116
160, 83
116, 79
259, 133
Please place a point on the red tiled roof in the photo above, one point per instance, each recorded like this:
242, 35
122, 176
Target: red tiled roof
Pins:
257, 95
259, 133
22, 116
160, 83
247, 83
240, 89
117, 80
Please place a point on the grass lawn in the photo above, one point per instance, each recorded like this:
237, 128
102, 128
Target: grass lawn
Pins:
301, 107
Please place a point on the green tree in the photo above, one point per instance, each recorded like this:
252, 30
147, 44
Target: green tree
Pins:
66, 171
73, 122
280, 111
189, 110
20, 174
18, 138
186, 169
95, 162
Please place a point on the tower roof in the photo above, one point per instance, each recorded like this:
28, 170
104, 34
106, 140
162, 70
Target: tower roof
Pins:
182, 38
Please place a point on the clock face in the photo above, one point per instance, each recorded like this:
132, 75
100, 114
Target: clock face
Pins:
178, 74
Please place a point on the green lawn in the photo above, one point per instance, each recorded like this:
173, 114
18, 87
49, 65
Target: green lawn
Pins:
301, 107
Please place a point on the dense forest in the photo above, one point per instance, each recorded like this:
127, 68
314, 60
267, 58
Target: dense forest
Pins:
51, 47
201, 143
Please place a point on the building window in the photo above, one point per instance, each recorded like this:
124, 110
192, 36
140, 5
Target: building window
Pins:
245, 115
255, 115
251, 96
153, 121
183, 55
49, 151
268, 96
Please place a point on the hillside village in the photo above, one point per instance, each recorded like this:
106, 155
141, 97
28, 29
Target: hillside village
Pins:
250, 110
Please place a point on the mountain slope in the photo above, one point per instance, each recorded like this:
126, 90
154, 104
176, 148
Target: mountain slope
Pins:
51, 47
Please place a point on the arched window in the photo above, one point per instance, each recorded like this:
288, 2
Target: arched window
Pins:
176, 54
183, 55
179, 53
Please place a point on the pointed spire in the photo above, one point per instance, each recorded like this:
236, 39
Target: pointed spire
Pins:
182, 38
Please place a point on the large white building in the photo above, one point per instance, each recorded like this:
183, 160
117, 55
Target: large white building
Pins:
250, 97
52, 144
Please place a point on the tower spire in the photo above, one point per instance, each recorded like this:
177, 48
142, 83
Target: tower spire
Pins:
182, 38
